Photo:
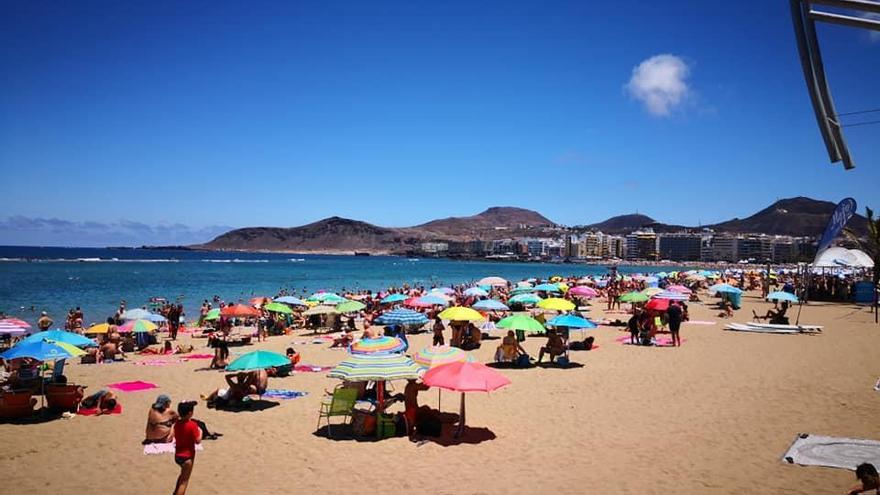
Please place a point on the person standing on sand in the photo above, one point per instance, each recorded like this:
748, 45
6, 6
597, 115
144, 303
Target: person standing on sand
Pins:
674, 315
44, 323
187, 435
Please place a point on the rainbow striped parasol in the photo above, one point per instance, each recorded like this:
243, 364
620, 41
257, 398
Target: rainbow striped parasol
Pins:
438, 355
376, 367
379, 345
138, 326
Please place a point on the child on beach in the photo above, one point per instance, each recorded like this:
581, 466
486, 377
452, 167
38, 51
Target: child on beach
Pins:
187, 435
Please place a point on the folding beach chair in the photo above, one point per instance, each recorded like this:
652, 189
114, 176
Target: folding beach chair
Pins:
339, 404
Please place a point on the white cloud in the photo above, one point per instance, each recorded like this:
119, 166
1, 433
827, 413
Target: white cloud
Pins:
660, 83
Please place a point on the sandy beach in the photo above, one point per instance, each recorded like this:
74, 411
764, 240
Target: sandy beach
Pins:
714, 415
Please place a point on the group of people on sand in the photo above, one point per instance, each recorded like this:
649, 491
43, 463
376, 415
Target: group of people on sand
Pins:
645, 324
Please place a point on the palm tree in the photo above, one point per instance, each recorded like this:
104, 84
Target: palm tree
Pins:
873, 248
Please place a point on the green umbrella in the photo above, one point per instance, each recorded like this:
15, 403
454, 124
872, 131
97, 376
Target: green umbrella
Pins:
350, 307
214, 314
278, 308
633, 297
521, 290
521, 322
258, 360
525, 299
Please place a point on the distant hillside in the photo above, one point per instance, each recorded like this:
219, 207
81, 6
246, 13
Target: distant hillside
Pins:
794, 216
485, 222
622, 224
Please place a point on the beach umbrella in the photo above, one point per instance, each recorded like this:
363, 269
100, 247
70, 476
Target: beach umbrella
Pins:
138, 326
15, 322
99, 328
416, 302
258, 360
652, 291
524, 284
443, 290
433, 300
277, 307
724, 288
521, 322
562, 286
259, 301
350, 307
214, 314
633, 297
393, 298
547, 288
679, 288
239, 311
493, 281
658, 304
490, 305
319, 310
782, 296
293, 301
459, 313
378, 368
522, 290
476, 292
155, 318
378, 345
402, 316
41, 351
71, 349
438, 355
525, 299
468, 376
326, 298
556, 304
583, 291
11, 329
571, 321
672, 296
135, 314
57, 336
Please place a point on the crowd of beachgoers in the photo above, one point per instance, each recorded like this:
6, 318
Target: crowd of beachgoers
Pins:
458, 318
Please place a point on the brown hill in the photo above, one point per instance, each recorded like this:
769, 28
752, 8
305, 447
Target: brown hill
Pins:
798, 216
485, 223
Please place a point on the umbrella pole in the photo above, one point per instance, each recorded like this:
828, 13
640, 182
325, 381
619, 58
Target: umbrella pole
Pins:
460, 429
439, 394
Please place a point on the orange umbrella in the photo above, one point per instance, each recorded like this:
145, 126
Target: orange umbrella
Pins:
239, 310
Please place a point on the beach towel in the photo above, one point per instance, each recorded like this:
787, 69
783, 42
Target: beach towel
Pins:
699, 322
274, 393
311, 368
197, 356
154, 362
163, 448
837, 452
658, 341
94, 411
136, 386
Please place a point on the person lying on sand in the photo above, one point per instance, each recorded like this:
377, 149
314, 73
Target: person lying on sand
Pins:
102, 400
346, 338
240, 385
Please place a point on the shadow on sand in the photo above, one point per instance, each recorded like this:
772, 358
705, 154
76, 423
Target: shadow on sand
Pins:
249, 406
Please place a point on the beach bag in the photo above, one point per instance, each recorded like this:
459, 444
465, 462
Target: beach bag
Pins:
522, 361
562, 361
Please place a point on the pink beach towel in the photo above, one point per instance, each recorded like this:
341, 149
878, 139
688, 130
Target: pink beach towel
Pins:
197, 356
136, 386
94, 411
163, 448
154, 362
309, 368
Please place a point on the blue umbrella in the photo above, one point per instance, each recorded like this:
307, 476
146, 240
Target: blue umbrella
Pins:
490, 305
135, 314
393, 298
782, 296
571, 321
547, 288
153, 317
295, 301
724, 288
429, 299
673, 296
402, 316
476, 291
41, 351
71, 338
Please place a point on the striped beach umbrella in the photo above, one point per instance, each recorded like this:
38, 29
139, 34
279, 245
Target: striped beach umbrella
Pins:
402, 316
16, 321
10, 329
672, 296
376, 367
438, 355
138, 326
379, 345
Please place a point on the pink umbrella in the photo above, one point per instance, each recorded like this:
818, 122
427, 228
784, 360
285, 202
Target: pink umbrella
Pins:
679, 288
583, 291
464, 377
16, 322
414, 302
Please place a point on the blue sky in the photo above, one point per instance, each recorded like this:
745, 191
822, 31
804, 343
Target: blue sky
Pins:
156, 122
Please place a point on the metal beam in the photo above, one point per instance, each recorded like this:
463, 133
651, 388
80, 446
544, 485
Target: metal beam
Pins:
850, 4
845, 20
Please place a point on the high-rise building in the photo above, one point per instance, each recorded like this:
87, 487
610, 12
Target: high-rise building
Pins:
641, 245
720, 248
680, 247
758, 248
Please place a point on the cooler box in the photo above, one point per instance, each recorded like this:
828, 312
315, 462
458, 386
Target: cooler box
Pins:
864, 292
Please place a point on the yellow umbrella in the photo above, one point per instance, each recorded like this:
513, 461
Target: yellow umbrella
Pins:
99, 328
71, 349
459, 313
563, 286
556, 304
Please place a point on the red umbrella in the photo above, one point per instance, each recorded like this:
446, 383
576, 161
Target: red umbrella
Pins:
658, 304
465, 377
239, 310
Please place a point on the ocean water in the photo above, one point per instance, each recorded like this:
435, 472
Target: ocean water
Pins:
36, 279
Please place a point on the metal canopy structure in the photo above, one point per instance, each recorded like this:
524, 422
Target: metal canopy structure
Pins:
804, 17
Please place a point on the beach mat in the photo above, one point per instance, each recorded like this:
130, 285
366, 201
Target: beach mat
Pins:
836, 452
197, 356
274, 393
310, 368
163, 448
94, 411
135, 386
155, 362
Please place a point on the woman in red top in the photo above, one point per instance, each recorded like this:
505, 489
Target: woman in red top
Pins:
187, 435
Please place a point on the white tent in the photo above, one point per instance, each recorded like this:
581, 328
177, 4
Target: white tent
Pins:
836, 257
862, 259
